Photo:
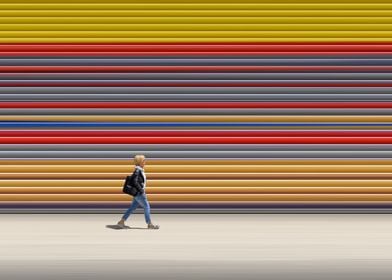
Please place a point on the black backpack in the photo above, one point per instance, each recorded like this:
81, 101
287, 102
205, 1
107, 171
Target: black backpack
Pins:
128, 188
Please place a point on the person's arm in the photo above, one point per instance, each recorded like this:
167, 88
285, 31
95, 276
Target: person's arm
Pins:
137, 181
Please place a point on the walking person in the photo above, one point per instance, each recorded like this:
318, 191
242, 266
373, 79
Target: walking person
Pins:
139, 181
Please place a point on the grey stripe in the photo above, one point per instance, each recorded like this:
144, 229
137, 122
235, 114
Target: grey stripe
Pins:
211, 111
196, 147
373, 55
197, 154
206, 82
196, 97
192, 62
192, 90
195, 76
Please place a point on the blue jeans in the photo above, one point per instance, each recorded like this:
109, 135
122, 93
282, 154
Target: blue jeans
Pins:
140, 199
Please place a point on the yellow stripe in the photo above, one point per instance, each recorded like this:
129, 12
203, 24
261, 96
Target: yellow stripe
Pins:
179, 21
197, 6
199, 118
196, 34
196, 13
195, 27
192, 1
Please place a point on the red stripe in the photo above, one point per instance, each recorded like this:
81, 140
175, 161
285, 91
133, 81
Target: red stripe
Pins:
189, 69
194, 140
191, 84
192, 53
200, 47
221, 105
192, 133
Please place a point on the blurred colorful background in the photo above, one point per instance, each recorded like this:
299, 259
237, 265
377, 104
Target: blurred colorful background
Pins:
238, 106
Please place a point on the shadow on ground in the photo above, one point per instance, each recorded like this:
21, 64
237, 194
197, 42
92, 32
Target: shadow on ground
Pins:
117, 227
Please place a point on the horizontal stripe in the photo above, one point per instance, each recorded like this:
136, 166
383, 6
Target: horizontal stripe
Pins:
202, 191
95, 125
189, 69
82, 19
193, 154
194, 97
169, 161
202, 208
283, 83
191, 133
195, 140
184, 1
205, 47
200, 183
196, 6
306, 91
198, 111
196, 13
200, 125
201, 118
197, 204
262, 39
208, 205
194, 147
241, 62
199, 176
201, 197
212, 105
196, 55
199, 168
97, 27
196, 76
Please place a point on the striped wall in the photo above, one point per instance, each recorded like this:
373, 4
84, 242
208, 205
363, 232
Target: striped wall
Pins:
246, 106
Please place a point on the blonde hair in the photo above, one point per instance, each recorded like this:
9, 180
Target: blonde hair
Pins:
138, 159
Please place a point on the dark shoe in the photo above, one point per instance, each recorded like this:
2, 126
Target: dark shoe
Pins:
152, 226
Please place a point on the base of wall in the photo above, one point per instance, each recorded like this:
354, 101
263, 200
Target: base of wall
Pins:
202, 211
